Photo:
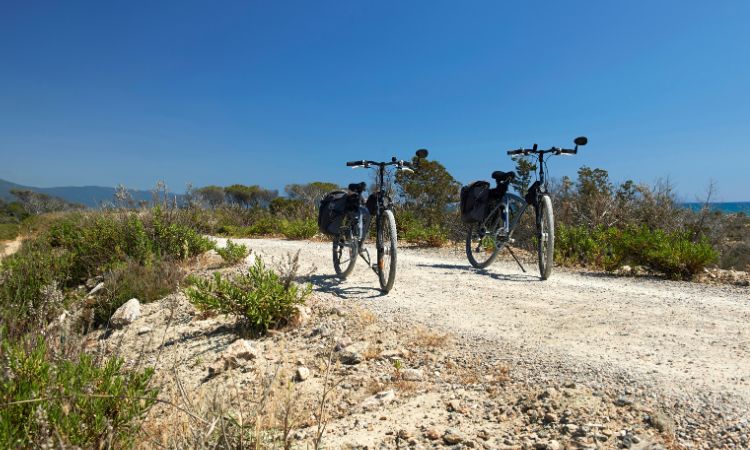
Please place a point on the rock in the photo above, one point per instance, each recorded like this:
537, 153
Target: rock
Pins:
210, 260
96, 288
300, 316
343, 343
241, 349
553, 445
625, 270
353, 354
623, 401
412, 374
550, 418
454, 405
144, 330
452, 437
216, 367
432, 434
380, 399
303, 373
233, 356
126, 314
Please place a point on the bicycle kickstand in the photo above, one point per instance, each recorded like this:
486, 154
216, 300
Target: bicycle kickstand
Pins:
516, 258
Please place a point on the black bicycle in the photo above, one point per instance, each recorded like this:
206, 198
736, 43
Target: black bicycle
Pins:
354, 230
497, 213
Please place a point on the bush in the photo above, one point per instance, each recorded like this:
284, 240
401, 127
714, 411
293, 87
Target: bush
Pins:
259, 297
28, 279
432, 236
132, 280
8, 231
673, 254
299, 229
69, 403
232, 253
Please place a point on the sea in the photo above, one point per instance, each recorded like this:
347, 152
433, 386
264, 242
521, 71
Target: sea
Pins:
725, 207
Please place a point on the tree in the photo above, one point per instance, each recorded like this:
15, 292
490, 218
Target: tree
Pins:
525, 169
213, 196
249, 196
428, 191
39, 203
310, 193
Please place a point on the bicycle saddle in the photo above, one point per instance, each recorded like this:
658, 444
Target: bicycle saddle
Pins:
357, 187
503, 177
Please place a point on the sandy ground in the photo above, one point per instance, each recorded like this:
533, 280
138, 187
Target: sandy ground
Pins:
684, 338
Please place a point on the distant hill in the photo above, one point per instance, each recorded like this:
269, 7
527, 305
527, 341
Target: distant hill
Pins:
91, 196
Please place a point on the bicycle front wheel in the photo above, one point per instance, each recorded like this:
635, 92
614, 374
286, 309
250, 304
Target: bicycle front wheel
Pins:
482, 245
545, 237
386, 242
344, 255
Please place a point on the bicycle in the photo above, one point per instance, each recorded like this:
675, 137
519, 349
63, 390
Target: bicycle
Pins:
354, 230
486, 237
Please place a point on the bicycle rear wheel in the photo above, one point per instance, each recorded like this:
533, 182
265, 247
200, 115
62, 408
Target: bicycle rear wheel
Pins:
545, 237
386, 242
482, 246
345, 251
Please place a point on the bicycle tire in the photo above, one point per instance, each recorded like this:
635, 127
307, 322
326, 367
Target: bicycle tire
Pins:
474, 251
348, 250
387, 242
545, 237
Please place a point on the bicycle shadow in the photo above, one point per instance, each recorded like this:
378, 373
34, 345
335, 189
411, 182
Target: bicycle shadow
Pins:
514, 277
332, 284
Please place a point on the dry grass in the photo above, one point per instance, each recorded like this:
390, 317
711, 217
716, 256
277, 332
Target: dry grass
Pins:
425, 338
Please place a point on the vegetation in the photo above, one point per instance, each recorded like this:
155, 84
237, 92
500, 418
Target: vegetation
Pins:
233, 253
51, 403
258, 297
673, 254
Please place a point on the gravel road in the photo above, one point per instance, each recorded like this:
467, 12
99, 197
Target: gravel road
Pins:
678, 339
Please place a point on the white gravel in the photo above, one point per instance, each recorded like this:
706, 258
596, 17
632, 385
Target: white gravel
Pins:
684, 338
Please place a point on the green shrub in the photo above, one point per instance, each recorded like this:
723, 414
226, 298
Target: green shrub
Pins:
259, 297
263, 226
673, 254
69, 403
28, 279
129, 280
299, 229
8, 231
433, 236
232, 253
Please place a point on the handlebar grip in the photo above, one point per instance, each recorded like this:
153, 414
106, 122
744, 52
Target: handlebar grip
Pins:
568, 151
355, 163
515, 152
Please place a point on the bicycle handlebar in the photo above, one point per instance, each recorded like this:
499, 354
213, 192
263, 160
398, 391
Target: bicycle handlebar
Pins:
382, 163
555, 150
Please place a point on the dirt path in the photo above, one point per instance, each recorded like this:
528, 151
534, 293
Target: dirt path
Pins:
7, 248
682, 337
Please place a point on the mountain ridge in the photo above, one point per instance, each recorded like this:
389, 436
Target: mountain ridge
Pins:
90, 196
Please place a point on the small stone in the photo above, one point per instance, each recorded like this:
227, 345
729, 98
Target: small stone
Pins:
432, 434
303, 373
126, 314
550, 418
97, 288
144, 330
380, 399
353, 354
300, 316
452, 437
412, 374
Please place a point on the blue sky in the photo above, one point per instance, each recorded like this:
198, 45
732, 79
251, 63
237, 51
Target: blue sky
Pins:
278, 92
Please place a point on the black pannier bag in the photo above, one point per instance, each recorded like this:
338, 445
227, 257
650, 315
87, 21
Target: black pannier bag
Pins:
372, 202
333, 209
474, 201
